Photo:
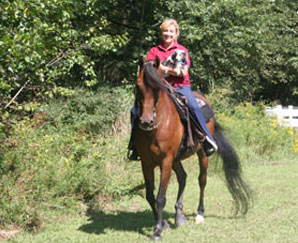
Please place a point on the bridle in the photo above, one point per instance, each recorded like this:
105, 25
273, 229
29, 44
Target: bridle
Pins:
150, 126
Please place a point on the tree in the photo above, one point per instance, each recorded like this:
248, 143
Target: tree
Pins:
48, 47
248, 47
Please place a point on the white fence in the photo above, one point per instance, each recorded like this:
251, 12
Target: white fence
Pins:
286, 116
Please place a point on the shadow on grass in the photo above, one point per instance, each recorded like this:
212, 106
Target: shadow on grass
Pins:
140, 222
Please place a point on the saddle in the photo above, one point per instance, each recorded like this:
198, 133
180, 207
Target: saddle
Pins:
193, 129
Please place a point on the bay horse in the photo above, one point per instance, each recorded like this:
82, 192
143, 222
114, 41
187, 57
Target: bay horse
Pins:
158, 137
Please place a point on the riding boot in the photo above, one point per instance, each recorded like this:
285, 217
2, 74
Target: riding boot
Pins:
209, 146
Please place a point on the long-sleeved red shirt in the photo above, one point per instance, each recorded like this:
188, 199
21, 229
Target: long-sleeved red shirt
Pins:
162, 53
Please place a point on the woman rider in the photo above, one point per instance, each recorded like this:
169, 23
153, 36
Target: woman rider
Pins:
178, 78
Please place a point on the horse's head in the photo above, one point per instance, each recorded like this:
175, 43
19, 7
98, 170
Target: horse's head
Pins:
149, 84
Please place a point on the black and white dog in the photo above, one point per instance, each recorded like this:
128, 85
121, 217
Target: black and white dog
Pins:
176, 61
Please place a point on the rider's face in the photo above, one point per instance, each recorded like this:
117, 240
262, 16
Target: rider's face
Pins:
169, 35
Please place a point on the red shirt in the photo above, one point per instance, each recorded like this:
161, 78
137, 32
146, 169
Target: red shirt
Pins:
162, 53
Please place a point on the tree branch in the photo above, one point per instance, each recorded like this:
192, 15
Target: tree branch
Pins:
17, 94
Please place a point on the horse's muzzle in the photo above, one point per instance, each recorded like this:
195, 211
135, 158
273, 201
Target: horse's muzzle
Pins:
146, 125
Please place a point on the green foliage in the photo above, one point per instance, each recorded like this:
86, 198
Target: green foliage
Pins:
58, 134
54, 43
248, 47
66, 153
256, 135
90, 112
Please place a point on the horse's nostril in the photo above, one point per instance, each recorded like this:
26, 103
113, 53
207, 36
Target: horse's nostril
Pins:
147, 123
142, 121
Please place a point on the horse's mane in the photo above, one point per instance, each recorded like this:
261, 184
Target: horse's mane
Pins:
152, 78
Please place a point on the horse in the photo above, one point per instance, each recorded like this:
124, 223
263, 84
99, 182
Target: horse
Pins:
158, 139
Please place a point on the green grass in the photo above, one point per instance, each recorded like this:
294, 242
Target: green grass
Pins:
70, 158
273, 217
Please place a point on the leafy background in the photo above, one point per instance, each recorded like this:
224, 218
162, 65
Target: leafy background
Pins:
248, 47
67, 73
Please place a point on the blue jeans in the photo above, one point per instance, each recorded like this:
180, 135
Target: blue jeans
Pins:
194, 109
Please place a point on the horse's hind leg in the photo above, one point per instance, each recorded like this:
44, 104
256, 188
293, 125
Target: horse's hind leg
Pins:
180, 219
203, 160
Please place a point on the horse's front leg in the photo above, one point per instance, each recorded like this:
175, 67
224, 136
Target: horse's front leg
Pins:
161, 201
148, 172
180, 219
203, 160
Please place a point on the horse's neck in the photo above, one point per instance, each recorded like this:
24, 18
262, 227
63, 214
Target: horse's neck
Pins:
162, 102
165, 106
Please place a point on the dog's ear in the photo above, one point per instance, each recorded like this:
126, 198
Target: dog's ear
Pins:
156, 62
174, 56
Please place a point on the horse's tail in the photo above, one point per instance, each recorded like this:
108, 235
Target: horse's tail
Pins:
239, 190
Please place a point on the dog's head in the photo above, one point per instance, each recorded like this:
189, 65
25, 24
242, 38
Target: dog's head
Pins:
179, 55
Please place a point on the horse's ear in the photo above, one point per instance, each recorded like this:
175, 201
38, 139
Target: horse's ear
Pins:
156, 62
141, 62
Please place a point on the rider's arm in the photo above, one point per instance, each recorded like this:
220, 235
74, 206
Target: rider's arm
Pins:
174, 72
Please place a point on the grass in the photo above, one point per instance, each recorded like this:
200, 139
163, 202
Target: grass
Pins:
65, 180
272, 219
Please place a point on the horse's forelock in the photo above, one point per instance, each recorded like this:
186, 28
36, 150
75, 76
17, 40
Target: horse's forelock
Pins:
152, 78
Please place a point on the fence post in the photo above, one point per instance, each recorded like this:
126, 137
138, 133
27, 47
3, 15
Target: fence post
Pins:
286, 116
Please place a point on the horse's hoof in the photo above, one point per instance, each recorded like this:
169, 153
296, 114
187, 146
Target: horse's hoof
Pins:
199, 219
156, 238
165, 225
181, 220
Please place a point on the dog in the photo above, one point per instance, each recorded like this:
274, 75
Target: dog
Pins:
176, 61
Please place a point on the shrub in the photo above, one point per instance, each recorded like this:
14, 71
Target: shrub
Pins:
64, 154
256, 135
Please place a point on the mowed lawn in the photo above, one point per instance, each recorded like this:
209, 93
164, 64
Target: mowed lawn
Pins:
273, 217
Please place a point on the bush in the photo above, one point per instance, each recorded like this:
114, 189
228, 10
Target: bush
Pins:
90, 112
66, 153
257, 137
